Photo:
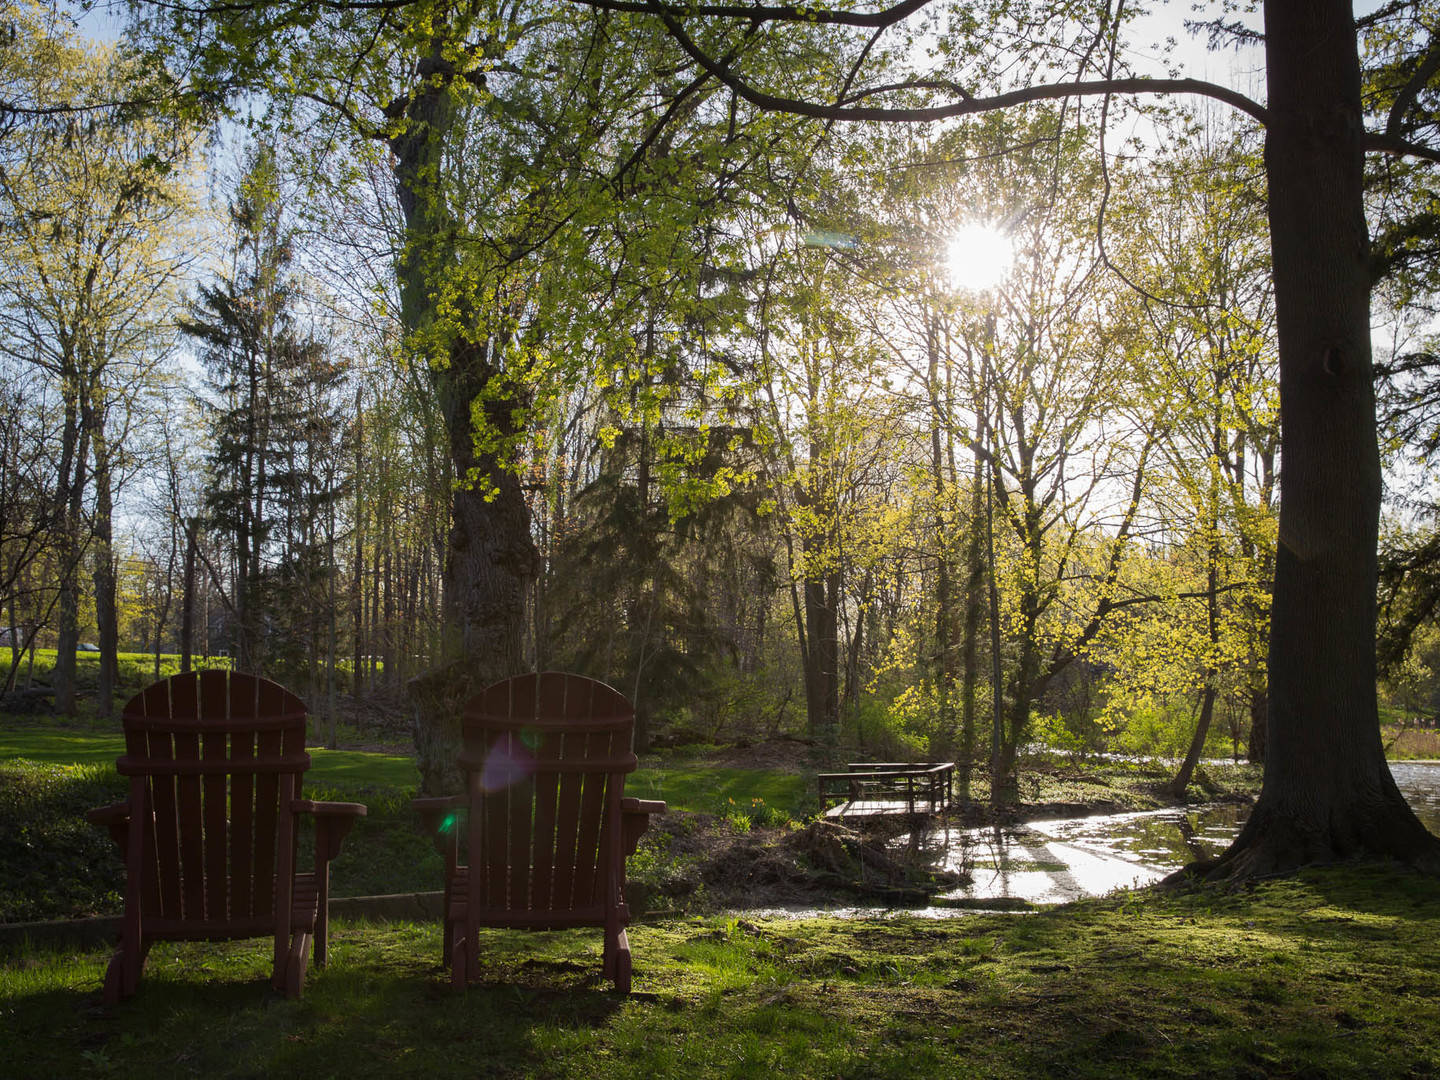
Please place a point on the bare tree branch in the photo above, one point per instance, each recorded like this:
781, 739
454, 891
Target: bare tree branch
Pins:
968, 106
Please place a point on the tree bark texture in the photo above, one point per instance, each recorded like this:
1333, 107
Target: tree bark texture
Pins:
822, 660
491, 557
1328, 793
187, 611
70, 495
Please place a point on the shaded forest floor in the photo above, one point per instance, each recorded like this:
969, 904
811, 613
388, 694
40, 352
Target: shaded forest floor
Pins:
743, 857
742, 833
1330, 974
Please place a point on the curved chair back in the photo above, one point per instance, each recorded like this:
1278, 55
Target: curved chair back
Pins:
218, 758
545, 757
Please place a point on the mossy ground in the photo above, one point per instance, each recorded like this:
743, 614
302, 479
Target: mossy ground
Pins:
728, 842
1331, 974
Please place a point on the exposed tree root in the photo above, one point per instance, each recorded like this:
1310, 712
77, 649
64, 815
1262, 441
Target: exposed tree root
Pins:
1281, 839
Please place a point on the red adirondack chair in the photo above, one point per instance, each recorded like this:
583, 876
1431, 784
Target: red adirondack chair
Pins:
549, 825
215, 762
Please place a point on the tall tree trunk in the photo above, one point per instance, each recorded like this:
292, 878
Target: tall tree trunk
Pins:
822, 629
70, 551
1328, 793
942, 482
1181, 779
974, 613
107, 621
1025, 681
187, 611
1259, 713
491, 556
357, 582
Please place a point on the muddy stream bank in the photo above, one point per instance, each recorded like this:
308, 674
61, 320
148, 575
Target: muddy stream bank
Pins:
1010, 866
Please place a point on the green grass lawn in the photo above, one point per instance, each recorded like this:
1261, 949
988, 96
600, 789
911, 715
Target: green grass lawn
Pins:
328, 768
709, 789
1332, 974
685, 785
59, 866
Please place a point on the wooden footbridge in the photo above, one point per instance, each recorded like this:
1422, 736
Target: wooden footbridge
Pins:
886, 788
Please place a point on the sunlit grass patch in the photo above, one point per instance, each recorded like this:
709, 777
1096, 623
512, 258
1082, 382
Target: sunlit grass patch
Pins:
714, 789
1145, 985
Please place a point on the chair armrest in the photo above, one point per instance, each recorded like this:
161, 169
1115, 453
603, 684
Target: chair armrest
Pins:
333, 822
635, 819
433, 809
329, 809
105, 816
427, 803
116, 818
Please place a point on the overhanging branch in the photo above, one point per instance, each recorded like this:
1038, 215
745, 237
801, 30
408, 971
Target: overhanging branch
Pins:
760, 13
967, 106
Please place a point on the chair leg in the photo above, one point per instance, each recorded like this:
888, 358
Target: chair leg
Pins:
114, 986
617, 961
459, 956
136, 966
295, 963
322, 933
122, 974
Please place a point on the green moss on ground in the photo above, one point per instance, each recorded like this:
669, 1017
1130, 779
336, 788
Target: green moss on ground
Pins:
728, 842
1332, 974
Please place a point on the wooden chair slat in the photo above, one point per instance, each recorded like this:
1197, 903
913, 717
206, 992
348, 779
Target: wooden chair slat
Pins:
189, 822
137, 743
167, 830
147, 859
266, 825
215, 752
546, 788
162, 700
495, 816
282, 763
520, 796
592, 810
213, 690
188, 723
567, 834
557, 696
265, 698
493, 722
242, 825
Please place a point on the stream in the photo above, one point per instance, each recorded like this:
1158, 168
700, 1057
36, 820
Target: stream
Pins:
1051, 862
1048, 862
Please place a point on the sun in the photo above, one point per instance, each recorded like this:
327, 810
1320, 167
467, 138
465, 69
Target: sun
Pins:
977, 257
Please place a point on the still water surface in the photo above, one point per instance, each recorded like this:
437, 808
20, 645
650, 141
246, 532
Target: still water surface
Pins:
1053, 861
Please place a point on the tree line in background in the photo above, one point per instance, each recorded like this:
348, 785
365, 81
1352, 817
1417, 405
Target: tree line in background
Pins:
705, 399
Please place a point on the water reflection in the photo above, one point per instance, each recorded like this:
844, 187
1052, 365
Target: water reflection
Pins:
1419, 781
1049, 862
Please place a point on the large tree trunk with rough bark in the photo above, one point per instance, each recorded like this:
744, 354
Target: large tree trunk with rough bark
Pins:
490, 563
70, 494
822, 659
107, 613
1328, 793
491, 557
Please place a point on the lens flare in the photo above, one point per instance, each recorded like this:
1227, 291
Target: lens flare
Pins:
977, 257
506, 766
